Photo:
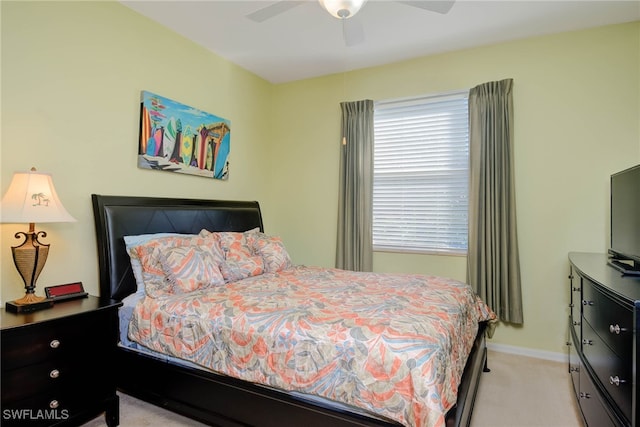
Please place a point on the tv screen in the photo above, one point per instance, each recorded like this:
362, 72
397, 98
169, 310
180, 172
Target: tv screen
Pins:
625, 221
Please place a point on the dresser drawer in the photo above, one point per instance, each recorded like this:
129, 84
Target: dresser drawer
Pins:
593, 408
64, 338
614, 373
576, 303
574, 360
576, 300
610, 319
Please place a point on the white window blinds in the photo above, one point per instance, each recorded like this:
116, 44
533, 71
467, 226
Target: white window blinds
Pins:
421, 162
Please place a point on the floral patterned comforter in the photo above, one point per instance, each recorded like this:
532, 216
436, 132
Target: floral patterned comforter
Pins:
392, 344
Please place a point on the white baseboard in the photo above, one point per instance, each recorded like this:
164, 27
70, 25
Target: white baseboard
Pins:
529, 352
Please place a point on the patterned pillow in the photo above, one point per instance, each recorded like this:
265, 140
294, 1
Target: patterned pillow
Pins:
191, 268
240, 260
156, 282
236, 246
131, 242
251, 253
272, 251
234, 270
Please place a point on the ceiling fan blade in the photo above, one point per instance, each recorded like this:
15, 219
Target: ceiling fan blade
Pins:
352, 31
272, 10
439, 6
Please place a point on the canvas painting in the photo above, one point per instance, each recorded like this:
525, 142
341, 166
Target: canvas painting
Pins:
177, 138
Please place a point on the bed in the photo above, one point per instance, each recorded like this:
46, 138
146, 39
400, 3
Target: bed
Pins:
213, 396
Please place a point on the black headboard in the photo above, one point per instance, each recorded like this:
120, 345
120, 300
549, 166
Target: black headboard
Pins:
119, 216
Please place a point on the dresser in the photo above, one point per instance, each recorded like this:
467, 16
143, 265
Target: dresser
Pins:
603, 346
49, 363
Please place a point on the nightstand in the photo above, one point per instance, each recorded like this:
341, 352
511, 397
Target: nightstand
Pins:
51, 375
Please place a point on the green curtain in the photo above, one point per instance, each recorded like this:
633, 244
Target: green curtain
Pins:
493, 266
355, 206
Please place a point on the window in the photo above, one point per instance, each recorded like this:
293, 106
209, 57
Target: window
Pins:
420, 179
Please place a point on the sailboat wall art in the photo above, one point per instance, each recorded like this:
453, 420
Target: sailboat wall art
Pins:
177, 138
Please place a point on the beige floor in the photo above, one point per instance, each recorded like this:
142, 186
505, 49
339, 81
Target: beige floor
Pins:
518, 392
525, 392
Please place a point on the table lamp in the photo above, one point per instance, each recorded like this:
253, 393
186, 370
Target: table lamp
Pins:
31, 198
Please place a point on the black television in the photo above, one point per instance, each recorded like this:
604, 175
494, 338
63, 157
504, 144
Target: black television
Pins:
624, 252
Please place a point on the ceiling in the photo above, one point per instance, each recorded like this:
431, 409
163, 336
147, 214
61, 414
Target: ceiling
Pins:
305, 41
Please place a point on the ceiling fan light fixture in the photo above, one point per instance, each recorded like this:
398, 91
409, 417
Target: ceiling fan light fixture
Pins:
342, 9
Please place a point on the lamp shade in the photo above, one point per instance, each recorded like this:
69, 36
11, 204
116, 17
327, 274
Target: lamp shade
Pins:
342, 9
32, 198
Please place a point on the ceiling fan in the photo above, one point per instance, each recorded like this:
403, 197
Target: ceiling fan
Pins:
345, 10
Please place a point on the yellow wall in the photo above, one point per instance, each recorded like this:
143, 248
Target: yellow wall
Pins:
72, 73
71, 80
577, 120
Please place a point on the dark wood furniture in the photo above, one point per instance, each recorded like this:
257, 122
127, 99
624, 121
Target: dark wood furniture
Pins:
50, 374
217, 399
603, 346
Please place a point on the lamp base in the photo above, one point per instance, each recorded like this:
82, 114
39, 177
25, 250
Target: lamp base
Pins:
15, 307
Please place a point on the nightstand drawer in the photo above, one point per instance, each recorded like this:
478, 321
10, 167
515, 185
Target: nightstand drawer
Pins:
31, 380
52, 406
64, 338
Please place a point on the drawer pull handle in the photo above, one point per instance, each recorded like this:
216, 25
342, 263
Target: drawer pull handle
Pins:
584, 395
587, 342
586, 302
616, 381
574, 369
574, 289
576, 323
54, 374
616, 329
54, 344
54, 404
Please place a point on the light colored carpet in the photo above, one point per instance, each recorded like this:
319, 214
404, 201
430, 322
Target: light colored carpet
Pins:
518, 392
525, 392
